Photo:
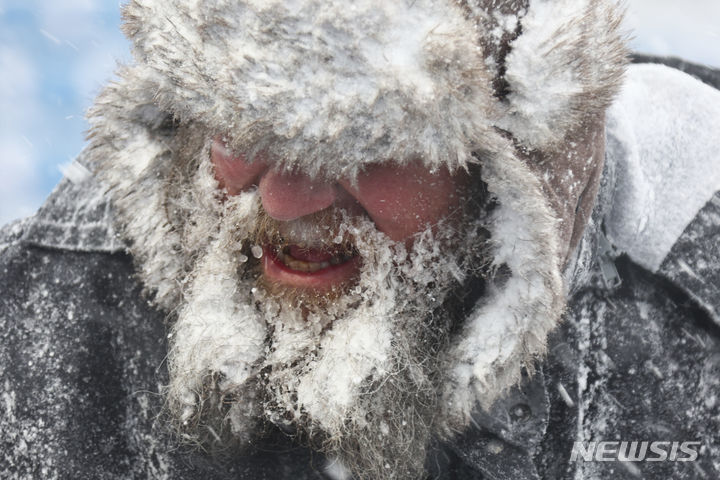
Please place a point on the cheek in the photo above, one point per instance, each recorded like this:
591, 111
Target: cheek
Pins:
405, 200
233, 172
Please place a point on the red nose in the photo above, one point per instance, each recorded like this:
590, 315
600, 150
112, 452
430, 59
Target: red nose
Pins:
289, 196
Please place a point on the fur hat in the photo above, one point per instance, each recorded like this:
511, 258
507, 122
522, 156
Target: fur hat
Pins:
328, 87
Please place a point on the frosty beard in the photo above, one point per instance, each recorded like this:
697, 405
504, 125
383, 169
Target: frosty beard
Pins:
356, 373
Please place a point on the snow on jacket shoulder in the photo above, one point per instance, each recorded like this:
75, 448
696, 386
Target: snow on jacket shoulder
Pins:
637, 357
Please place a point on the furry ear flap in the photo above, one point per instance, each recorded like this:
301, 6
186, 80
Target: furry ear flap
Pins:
565, 67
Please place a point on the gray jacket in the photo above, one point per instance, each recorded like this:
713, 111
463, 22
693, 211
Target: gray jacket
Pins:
636, 359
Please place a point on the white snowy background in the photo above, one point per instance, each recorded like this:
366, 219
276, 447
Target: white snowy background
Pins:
56, 54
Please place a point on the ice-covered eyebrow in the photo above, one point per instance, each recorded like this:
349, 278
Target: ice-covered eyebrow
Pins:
251, 163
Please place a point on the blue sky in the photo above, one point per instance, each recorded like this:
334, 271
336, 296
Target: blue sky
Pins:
56, 54
54, 57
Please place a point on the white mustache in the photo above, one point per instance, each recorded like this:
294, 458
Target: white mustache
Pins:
320, 230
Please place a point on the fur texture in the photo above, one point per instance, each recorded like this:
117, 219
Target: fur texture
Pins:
564, 69
329, 88
311, 81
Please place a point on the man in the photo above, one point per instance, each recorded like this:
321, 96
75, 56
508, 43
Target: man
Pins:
398, 240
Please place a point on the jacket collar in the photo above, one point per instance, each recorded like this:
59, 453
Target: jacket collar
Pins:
77, 216
692, 264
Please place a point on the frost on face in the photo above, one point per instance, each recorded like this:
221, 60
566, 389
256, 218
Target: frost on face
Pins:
331, 368
321, 361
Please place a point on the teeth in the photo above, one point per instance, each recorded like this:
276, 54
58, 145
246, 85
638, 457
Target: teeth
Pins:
308, 267
305, 266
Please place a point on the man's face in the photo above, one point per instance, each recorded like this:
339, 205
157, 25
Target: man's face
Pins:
316, 305
401, 201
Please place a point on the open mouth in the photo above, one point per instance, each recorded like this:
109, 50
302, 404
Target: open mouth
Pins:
311, 260
320, 268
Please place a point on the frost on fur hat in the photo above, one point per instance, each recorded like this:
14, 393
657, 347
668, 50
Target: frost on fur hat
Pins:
319, 84
328, 87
